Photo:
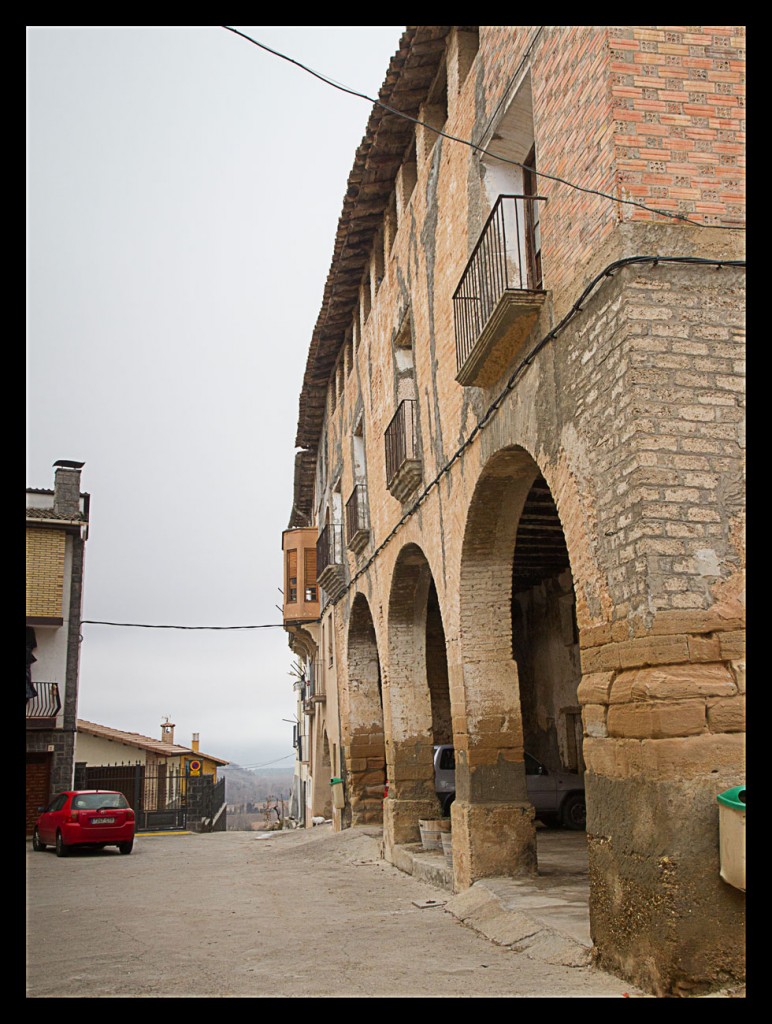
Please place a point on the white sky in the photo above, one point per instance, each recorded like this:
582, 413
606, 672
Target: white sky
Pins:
183, 192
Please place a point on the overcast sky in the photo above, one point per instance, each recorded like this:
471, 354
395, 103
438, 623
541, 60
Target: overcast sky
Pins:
183, 191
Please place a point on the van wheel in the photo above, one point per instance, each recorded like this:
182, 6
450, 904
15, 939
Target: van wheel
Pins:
573, 813
446, 804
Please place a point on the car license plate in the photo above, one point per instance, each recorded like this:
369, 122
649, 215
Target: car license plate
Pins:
102, 821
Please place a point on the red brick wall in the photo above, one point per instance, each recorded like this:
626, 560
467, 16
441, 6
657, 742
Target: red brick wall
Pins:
679, 110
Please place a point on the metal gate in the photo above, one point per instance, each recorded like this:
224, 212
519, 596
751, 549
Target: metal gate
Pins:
157, 793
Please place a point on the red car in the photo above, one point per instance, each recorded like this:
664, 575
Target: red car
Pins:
86, 817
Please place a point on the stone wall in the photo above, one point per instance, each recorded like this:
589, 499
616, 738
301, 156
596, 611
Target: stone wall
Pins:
630, 405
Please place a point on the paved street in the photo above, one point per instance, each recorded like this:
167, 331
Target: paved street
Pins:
304, 913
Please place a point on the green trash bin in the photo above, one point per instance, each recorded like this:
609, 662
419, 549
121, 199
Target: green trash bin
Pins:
731, 827
338, 800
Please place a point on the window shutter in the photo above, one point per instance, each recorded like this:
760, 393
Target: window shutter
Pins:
292, 577
309, 573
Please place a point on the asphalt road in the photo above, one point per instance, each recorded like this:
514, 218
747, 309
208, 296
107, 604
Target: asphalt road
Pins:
306, 913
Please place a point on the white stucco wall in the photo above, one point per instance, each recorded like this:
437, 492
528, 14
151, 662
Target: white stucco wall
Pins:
96, 750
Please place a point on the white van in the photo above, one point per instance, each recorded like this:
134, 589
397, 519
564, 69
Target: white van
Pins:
556, 796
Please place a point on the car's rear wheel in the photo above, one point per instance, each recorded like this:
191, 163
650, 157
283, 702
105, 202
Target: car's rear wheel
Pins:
37, 844
573, 813
126, 847
62, 850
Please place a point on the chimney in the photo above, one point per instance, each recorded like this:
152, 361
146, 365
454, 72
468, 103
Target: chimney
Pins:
167, 731
194, 742
67, 488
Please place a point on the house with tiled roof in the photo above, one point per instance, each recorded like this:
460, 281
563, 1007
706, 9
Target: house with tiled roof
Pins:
101, 744
169, 785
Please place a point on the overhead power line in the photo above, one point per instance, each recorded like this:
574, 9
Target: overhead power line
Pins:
252, 767
146, 625
480, 149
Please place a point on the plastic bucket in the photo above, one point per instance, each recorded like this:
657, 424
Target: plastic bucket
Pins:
338, 799
431, 830
731, 827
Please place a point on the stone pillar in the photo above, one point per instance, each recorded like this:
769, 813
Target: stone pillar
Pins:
661, 742
494, 831
411, 792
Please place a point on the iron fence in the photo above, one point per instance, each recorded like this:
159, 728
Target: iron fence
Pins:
44, 706
357, 519
329, 549
162, 796
507, 257
401, 439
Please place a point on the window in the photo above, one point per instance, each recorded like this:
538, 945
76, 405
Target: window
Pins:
96, 801
404, 360
365, 298
292, 577
309, 574
433, 114
348, 352
378, 263
533, 230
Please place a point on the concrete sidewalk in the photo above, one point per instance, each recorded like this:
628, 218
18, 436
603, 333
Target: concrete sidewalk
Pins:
545, 916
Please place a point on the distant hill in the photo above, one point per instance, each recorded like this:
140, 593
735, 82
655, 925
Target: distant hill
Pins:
243, 785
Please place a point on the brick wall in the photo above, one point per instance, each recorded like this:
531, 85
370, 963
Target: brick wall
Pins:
679, 119
45, 572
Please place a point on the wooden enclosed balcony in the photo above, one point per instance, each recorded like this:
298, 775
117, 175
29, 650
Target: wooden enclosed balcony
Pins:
301, 589
500, 295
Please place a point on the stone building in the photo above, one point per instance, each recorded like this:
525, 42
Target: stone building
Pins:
522, 468
56, 531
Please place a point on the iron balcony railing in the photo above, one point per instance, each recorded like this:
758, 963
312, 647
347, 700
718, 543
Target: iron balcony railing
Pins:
46, 703
357, 517
329, 549
401, 439
507, 257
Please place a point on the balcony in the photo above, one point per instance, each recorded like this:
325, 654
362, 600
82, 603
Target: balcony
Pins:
311, 697
357, 519
43, 709
329, 560
403, 460
499, 297
301, 592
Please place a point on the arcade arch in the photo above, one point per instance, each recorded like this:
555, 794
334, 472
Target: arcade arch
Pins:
519, 655
419, 713
366, 755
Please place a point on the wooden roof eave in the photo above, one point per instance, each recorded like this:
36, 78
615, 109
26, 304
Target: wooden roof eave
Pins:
370, 183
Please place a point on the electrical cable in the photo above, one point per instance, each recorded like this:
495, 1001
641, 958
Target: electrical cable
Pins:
480, 149
252, 767
145, 625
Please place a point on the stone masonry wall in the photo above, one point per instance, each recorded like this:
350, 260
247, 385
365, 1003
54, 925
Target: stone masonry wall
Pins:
633, 413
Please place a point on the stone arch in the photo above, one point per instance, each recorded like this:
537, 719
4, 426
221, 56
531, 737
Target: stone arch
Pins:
516, 591
365, 754
418, 704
